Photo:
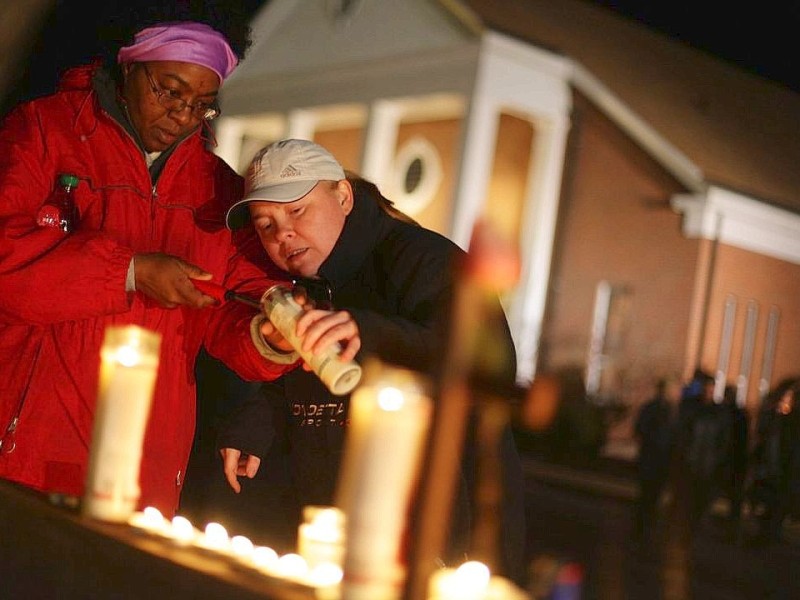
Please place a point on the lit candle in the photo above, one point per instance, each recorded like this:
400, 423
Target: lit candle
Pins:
467, 582
128, 367
215, 538
150, 520
472, 581
325, 575
390, 414
241, 547
320, 538
182, 531
264, 558
291, 566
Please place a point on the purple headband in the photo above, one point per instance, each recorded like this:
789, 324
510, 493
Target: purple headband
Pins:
183, 42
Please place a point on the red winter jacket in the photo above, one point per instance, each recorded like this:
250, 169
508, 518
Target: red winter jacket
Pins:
58, 292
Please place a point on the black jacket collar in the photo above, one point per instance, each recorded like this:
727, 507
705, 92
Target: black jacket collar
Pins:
365, 226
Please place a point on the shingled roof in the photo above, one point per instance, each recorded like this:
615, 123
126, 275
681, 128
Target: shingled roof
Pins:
741, 131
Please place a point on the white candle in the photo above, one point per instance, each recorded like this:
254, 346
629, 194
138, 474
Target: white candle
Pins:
468, 582
128, 367
264, 558
182, 531
320, 538
389, 417
215, 538
291, 566
282, 310
241, 547
150, 520
325, 575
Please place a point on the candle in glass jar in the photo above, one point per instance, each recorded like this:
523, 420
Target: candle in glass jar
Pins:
128, 368
320, 538
283, 312
390, 414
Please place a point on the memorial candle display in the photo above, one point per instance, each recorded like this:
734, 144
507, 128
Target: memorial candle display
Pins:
390, 414
128, 368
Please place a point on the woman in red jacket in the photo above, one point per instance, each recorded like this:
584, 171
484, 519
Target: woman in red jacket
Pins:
151, 201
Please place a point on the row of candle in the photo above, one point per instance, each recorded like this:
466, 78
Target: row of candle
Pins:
215, 539
390, 415
318, 561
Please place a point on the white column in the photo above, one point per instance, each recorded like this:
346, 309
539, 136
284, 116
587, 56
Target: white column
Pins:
228, 131
536, 246
476, 163
380, 141
301, 124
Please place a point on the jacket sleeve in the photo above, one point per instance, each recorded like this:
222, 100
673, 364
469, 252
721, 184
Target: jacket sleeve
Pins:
418, 284
251, 428
45, 274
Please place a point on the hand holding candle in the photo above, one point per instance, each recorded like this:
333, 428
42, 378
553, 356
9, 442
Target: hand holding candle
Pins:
283, 311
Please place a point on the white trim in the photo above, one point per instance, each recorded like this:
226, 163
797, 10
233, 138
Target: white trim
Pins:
539, 230
386, 116
740, 221
518, 79
301, 124
448, 70
380, 139
229, 132
414, 202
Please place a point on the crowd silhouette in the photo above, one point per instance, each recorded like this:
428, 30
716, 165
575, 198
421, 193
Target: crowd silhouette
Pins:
696, 448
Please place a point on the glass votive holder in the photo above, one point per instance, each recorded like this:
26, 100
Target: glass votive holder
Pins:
320, 537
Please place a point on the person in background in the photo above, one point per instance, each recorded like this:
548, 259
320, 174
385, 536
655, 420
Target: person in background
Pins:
775, 492
735, 464
389, 279
151, 201
706, 427
655, 430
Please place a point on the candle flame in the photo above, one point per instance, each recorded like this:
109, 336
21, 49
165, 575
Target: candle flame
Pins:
128, 356
292, 566
241, 546
182, 529
390, 399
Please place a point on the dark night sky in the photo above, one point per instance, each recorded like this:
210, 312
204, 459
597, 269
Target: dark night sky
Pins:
760, 37
754, 36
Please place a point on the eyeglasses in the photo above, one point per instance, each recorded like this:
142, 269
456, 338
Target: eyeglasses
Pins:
170, 100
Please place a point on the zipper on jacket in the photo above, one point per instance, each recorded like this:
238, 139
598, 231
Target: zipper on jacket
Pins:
9, 437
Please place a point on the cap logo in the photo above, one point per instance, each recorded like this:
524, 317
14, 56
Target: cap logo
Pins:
289, 171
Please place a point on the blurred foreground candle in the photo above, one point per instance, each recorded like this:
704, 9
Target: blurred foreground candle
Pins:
389, 415
467, 582
128, 368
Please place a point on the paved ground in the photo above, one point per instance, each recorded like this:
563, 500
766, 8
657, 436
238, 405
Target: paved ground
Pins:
584, 516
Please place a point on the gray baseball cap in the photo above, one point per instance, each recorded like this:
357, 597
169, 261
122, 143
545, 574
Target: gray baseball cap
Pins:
284, 171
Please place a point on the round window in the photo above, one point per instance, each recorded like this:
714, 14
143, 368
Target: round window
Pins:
416, 175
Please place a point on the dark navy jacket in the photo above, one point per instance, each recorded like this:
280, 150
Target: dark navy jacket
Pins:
396, 280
